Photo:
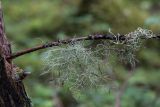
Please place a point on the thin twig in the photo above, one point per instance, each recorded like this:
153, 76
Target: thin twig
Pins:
60, 42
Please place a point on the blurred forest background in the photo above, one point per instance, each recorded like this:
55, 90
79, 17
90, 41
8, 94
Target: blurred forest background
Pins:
32, 22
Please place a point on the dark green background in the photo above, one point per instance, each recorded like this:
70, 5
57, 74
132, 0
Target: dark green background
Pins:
32, 22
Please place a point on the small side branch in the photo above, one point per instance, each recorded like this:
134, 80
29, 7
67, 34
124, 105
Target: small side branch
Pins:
60, 42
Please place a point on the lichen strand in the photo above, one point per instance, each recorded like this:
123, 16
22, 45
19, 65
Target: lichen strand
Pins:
132, 44
77, 67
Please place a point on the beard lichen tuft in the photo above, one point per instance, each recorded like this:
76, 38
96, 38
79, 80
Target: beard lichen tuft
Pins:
127, 48
76, 67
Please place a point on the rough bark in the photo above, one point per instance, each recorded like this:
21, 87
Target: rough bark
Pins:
12, 92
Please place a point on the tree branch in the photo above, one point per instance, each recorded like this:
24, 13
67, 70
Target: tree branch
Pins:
60, 42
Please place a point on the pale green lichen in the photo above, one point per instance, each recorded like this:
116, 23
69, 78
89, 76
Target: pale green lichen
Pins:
132, 43
77, 67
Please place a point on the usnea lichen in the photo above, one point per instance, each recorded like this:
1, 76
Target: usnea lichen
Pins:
132, 43
78, 67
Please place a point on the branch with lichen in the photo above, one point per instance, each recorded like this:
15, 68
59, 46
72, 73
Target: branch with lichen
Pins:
117, 38
76, 67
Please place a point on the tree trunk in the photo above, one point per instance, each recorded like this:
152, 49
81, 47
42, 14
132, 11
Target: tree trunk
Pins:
12, 92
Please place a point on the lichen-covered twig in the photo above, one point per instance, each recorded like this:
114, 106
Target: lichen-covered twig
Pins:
60, 42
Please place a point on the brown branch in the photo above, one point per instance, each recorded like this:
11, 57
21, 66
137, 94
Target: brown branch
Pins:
60, 42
